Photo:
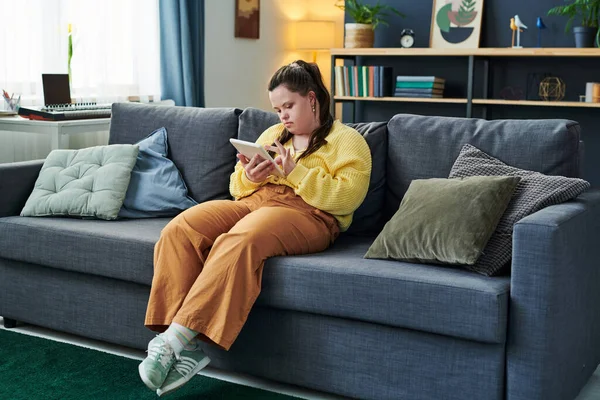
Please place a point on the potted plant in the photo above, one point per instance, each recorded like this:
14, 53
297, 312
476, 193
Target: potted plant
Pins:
366, 18
586, 10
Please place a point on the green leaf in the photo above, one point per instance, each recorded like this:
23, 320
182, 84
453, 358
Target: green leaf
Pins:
588, 11
442, 19
367, 13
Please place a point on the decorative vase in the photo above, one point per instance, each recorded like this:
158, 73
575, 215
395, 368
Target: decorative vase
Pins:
359, 35
584, 36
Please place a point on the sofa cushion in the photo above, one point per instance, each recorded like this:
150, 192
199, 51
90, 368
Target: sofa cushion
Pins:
445, 221
253, 122
121, 249
339, 282
198, 141
422, 147
90, 182
367, 219
534, 192
156, 188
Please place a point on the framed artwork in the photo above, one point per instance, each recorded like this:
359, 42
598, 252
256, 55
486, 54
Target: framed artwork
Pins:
247, 19
456, 24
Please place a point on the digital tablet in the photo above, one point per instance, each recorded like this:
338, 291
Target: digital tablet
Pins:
249, 149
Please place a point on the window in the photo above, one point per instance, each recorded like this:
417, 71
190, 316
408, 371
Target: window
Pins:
115, 47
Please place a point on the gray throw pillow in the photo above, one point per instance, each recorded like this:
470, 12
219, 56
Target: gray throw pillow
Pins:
90, 182
534, 192
444, 221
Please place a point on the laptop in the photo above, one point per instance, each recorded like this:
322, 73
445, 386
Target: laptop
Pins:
56, 89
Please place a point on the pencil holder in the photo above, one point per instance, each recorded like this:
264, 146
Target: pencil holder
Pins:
13, 104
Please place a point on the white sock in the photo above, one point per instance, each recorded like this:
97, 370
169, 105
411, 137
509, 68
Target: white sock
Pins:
180, 337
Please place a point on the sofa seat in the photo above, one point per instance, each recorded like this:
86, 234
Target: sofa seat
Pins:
337, 282
340, 282
121, 249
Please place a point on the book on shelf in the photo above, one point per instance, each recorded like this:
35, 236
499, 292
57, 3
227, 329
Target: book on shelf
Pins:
414, 78
339, 80
386, 75
419, 90
420, 95
419, 85
363, 81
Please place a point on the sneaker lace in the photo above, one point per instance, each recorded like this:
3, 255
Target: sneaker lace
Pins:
161, 353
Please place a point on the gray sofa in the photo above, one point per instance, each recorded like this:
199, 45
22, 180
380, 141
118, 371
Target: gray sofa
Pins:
333, 321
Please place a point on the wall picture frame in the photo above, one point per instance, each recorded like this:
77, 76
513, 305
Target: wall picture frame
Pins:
456, 24
247, 19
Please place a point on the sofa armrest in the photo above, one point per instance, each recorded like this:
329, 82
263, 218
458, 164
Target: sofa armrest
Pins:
16, 183
553, 343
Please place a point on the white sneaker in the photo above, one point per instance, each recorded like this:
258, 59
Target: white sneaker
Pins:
188, 364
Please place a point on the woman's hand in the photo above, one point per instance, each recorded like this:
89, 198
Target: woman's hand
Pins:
257, 168
284, 157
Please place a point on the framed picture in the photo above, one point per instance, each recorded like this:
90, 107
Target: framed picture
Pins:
247, 13
456, 24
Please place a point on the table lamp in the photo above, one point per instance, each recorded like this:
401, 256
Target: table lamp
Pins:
315, 36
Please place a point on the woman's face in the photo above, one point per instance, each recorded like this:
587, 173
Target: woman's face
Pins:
294, 110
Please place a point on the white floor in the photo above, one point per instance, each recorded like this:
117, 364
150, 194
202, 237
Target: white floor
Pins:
590, 392
140, 354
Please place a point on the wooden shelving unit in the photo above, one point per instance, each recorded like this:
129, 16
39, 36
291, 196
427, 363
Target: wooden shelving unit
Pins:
482, 52
402, 99
537, 103
472, 54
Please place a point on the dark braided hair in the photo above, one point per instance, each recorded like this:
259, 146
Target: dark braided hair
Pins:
302, 77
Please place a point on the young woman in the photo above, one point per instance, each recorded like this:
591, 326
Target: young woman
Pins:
209, 260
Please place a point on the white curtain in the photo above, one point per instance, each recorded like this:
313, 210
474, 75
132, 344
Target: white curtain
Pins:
115, 47
116, 54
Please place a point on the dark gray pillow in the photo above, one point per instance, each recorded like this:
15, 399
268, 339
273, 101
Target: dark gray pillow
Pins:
534, 192
367, 219
253, 122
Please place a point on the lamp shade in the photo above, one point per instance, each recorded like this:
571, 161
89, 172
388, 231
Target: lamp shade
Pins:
315, 35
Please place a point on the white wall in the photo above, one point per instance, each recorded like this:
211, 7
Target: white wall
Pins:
237, 71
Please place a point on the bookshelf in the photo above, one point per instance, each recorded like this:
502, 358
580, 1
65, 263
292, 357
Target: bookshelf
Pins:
484, 54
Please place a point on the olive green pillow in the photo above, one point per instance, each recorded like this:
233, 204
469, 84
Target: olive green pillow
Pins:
445, 221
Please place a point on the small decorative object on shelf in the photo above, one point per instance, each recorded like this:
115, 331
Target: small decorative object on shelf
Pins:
540, 25
519, 25
407, 38
590, 89
366, 17
533, 84
552, 89
586, 11
511, 93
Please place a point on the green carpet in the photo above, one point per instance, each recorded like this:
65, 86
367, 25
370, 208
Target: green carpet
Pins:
34, 368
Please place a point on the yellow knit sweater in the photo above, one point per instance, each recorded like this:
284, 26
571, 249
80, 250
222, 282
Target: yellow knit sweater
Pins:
334, 179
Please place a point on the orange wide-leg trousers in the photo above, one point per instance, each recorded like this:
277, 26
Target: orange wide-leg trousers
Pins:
209, 259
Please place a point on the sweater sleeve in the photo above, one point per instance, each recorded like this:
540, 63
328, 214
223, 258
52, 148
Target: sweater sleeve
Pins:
342, 189
239, 184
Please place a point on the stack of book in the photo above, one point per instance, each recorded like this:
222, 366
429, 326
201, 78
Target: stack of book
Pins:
363, 81
419, 86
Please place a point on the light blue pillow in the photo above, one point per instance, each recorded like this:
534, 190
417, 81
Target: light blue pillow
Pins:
156, 188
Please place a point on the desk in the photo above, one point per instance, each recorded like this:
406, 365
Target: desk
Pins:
59, 131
